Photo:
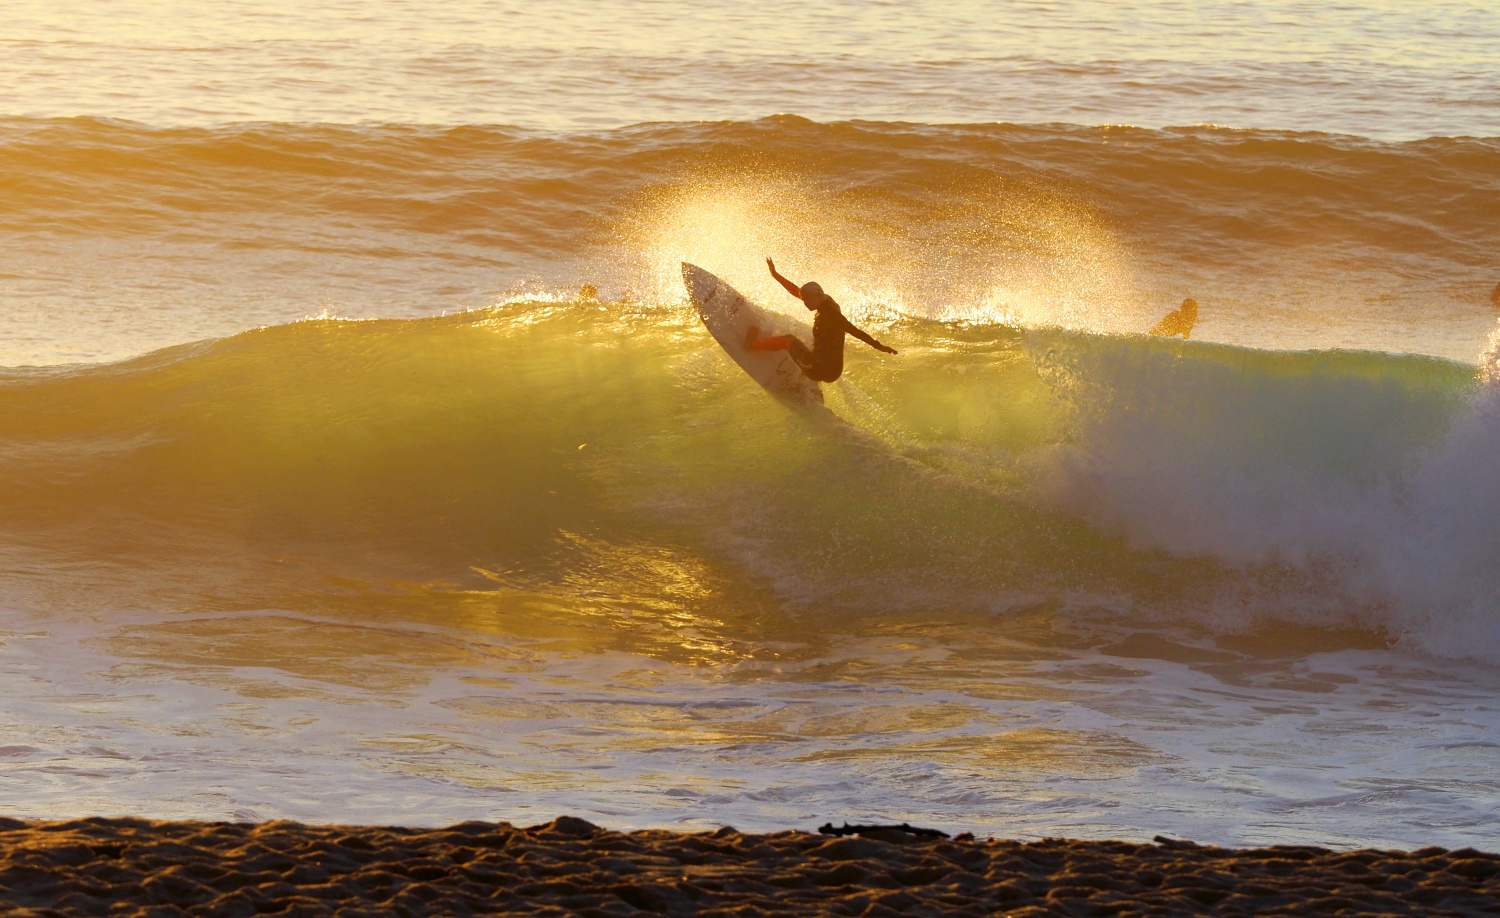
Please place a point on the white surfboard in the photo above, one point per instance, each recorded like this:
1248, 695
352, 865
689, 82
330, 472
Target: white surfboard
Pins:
729, 315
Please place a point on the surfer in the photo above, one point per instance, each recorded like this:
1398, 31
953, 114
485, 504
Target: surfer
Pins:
824, 361
1178, 321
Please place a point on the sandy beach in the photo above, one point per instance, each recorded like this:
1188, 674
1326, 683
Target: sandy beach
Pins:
572, 867
1069, 425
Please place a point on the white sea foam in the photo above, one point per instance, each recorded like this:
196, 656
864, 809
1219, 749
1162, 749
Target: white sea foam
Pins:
1347, 495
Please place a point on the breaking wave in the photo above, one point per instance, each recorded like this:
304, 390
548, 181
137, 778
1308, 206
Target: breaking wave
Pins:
605, 459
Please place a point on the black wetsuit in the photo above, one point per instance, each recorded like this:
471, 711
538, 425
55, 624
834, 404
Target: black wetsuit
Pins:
824, 362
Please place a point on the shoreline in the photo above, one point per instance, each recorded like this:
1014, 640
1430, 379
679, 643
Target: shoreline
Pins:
100, 866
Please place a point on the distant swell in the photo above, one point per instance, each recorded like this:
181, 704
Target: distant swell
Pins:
1288, 239
1202, 187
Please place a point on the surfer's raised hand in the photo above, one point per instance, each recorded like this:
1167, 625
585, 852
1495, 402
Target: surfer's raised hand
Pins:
791, 288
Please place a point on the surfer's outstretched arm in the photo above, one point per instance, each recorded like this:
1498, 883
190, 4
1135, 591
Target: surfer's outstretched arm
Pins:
791, 288
863, 336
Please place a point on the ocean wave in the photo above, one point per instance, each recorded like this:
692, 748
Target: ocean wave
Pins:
605, 459
1290, 240
534, 188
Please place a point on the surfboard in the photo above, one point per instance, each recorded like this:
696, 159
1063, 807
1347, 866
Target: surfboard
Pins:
728, 315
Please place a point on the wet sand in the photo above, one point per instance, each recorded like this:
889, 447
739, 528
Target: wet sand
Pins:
570, 867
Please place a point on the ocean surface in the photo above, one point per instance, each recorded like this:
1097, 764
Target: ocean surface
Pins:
328, 491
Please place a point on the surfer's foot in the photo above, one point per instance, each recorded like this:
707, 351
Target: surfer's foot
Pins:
752, 335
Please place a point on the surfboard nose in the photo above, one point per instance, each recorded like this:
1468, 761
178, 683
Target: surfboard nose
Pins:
692, 278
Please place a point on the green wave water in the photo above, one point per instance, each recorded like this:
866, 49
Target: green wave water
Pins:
608, 456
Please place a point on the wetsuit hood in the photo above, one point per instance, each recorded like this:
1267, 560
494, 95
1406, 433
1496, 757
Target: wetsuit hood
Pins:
813, 295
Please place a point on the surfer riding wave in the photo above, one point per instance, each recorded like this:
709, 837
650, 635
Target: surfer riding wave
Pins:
824, 361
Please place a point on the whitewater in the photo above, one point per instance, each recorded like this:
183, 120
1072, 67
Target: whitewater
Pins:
361, 459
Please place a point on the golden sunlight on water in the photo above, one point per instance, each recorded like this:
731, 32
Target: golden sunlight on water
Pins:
1378, 68
362, 458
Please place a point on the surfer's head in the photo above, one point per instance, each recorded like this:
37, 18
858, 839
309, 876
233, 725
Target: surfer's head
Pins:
813, 296
1190, 308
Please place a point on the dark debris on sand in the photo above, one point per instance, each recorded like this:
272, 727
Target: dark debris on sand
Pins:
570, 867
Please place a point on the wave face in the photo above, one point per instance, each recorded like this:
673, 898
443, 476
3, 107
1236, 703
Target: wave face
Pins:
1289, 240
606, 459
